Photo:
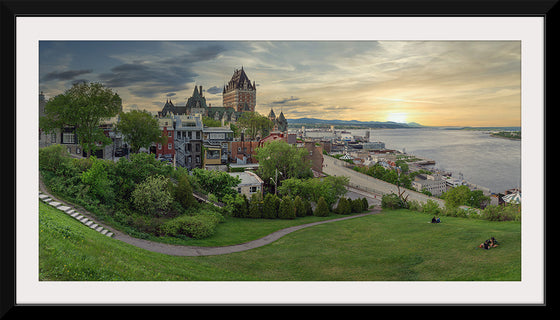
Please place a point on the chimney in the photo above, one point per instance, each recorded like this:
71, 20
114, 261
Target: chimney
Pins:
201, 91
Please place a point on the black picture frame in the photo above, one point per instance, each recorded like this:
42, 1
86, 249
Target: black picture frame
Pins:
11, 10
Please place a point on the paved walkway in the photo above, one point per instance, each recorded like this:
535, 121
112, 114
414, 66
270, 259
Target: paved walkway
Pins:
177, 250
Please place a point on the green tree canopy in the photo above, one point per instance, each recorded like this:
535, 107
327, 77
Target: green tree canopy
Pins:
287, 159
83, 107
139, 129
254, 123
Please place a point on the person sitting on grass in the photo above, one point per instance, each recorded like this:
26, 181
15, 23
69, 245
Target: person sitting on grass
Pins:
493, 242
437, 220
434, 219
485, 245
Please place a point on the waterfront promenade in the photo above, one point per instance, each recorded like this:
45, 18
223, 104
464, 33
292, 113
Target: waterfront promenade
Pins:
335, 167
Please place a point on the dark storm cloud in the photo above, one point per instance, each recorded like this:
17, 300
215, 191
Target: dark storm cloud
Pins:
196, 55
150, 78
65, 75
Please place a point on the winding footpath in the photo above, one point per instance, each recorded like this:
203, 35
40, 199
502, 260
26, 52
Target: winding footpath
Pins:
176, 250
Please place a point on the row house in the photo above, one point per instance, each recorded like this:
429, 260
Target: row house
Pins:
165, 150
217, 146
188, 141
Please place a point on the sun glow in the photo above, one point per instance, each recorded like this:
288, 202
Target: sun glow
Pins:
397, 117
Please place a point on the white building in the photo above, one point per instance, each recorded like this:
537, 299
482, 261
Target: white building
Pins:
432, 183
250, 183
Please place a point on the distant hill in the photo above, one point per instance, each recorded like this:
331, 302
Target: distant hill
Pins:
352, 123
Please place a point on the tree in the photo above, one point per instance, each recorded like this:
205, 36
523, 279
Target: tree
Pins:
270, 206
152, 196
456, 197
287, 210
183, 192
83, 107
330, 188
255, 206
344, 206
287, 159
254, 123
216, 182
140, 129
322, 209
301, 209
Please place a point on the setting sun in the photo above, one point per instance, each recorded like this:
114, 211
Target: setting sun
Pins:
397, 117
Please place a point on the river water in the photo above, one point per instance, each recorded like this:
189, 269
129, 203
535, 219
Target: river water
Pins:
494, 163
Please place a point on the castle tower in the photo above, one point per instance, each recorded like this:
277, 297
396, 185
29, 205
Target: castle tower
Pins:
239, 93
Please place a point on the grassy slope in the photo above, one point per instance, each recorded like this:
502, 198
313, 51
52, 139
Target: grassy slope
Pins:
395, 245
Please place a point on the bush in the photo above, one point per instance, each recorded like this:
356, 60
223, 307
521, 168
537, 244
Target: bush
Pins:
96, 178
270, 206
431, 207
344, 206
286, 210
183, 192
502, 213
392, 201
196, 227
322, 209
152, 196
357, 205
365, 203
301, 209
54, 158
255, 206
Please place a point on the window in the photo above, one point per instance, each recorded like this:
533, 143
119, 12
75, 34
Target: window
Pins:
170, 133
169, 146
253, 189
68, 137
78, 150
159, 146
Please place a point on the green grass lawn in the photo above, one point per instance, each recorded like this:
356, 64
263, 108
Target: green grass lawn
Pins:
394, 245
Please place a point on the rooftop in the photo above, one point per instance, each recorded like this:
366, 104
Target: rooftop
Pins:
247, 178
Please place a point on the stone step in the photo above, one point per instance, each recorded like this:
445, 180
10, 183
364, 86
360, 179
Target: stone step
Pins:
75, 214
64, 208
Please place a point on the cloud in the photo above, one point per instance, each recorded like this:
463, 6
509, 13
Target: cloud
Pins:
286, 100
65, 75
214, 90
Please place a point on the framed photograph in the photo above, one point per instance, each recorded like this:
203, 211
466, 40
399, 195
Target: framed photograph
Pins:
456, 93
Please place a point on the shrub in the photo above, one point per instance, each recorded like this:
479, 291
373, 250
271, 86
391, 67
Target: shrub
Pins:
431, 207
270, 206
286, 210
501, 213
301, 209
357, 205
97, 178
344, 206
365, 203
392, 201
196, 227
255, 206
183, 192
53, 158
322, 209
152, 196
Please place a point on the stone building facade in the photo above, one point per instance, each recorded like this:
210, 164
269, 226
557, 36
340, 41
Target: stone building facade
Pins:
239, 93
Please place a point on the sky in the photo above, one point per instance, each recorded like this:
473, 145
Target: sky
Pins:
433, 83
